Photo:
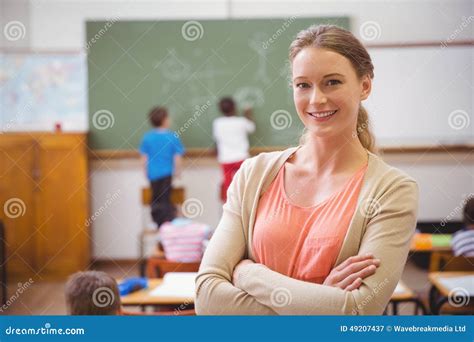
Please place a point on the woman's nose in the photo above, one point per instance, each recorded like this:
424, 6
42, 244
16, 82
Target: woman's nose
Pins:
318, 97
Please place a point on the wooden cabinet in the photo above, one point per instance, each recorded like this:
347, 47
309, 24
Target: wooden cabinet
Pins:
44, 204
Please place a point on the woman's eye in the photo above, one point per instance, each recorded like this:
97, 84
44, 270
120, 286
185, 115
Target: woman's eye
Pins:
333, 82
302, 85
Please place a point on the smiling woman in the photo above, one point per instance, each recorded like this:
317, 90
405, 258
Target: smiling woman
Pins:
332, 73
323, 228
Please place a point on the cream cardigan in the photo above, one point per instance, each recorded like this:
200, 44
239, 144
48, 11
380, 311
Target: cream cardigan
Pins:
383, 224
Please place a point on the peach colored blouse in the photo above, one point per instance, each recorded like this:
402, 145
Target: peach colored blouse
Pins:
303, 242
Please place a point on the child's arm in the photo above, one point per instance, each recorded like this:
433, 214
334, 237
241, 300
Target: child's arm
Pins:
178, 165
178, 156
143, 149
143, 163
248, 113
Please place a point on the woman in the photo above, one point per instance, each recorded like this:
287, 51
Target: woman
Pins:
323, 228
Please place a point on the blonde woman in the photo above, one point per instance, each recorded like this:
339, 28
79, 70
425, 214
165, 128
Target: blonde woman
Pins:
323, 228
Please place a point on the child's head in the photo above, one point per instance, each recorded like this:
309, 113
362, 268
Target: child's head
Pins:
331, 74
468, 213
159, 117
227, 106
92, 293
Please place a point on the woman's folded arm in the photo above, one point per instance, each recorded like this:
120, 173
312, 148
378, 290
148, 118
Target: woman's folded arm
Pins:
387, 236
215, 293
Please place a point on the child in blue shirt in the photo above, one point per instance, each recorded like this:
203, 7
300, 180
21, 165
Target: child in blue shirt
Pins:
162, 153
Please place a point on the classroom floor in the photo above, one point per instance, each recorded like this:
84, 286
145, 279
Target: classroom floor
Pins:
46, 298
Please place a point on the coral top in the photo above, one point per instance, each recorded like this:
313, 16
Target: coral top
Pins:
303, 242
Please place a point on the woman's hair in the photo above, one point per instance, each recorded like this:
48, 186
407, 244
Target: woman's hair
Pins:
343, 42
157, 115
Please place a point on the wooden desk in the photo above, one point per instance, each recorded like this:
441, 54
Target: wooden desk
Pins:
423, 242
431, 249
405, 294
143, 297
439, 294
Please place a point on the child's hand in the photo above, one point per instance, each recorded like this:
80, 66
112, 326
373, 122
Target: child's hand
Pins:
248, 112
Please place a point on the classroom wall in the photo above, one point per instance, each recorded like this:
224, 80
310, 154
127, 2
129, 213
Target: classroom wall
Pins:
115, 185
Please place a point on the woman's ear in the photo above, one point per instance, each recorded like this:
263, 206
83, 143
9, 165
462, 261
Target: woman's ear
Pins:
366, 84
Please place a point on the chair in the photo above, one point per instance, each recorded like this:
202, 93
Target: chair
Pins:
404, 294
149, 231
447, 262
3, 264
157, 267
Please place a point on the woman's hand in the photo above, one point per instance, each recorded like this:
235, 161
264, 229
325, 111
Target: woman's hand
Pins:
238, 269
349, 274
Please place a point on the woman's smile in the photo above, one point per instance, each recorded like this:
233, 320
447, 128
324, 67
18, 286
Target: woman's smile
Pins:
322, 116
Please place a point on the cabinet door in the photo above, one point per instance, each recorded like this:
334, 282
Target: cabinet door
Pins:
63, 242
17, 208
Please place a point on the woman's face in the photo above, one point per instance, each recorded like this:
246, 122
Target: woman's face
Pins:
327, 92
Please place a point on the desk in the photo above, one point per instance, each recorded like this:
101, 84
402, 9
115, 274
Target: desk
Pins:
439, 293
402, 294
438, 245
143, 297
422, 242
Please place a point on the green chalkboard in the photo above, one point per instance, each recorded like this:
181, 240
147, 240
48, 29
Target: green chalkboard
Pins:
187, 66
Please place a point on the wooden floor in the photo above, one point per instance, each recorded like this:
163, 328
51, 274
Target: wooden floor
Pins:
47, 298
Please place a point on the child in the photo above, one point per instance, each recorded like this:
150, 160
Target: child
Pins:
463, 241
92, 293
162, 153
183, 239
231, 135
